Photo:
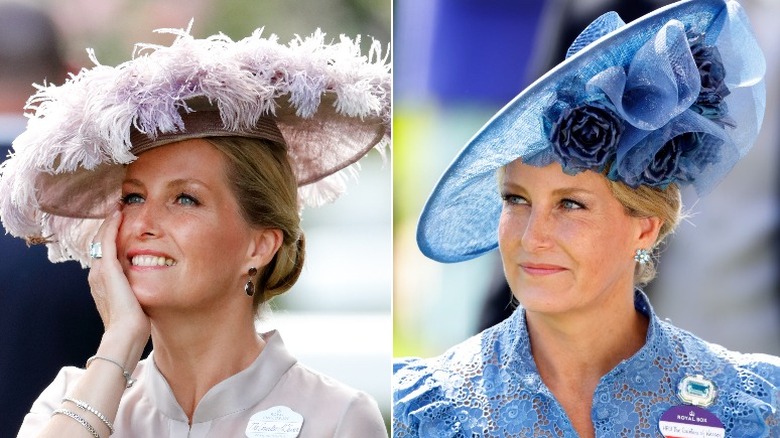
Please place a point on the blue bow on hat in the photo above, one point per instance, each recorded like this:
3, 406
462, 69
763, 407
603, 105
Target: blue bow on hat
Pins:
676, 96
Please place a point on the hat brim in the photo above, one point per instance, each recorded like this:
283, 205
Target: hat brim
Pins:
326, 101
460, 218
317, 147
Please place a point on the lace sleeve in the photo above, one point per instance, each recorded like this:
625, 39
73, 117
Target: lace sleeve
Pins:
420, 405
759, 376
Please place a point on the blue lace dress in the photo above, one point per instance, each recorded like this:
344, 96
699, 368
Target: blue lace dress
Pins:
488, 386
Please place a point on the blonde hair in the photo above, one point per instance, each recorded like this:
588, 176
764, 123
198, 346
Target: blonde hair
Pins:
645, 201
267, 193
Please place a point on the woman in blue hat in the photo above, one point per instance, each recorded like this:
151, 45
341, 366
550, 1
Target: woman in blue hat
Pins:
577, 181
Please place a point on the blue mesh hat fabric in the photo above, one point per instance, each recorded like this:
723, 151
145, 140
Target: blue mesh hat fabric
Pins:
676, 96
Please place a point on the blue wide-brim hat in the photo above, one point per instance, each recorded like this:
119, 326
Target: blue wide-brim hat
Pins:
676, 96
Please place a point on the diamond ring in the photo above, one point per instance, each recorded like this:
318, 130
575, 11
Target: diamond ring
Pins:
95, 250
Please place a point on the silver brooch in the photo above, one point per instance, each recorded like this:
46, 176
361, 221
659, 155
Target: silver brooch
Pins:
697, 391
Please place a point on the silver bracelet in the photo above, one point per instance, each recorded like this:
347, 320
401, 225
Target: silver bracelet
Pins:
86, 407
78, 418
129, 380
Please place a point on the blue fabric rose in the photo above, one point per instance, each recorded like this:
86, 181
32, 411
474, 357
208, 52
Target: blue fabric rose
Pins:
680, 159
710, 102
470, 421
660, 119
491, 379
515, 415
662, 168
585, 137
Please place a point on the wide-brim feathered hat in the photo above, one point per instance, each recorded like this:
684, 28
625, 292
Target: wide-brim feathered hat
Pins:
677, 96
325, 100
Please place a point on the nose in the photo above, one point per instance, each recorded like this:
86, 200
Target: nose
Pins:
536, 235
142, 220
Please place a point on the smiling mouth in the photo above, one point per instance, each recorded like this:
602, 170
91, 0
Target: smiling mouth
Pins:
149, 260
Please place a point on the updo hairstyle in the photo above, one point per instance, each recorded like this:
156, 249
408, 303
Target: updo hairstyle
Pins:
267, 193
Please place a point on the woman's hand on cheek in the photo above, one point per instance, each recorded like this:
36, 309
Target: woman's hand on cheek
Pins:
115, 301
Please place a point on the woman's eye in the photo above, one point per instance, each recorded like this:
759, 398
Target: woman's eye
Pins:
185, 199
514, 199
132, 198
568, 204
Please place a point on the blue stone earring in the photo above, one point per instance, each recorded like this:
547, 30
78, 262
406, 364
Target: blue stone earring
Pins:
642, 256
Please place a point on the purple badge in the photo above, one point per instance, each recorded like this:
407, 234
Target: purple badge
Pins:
690, 422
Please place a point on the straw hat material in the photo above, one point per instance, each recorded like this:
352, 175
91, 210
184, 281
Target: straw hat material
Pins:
676, 96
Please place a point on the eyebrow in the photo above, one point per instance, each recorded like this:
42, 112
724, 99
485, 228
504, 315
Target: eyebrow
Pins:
173, 183
567, 191
561, 192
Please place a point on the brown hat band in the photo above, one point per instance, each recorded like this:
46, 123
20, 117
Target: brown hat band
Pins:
207, 123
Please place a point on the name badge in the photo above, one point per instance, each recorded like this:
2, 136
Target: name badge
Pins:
275, 422
690, 422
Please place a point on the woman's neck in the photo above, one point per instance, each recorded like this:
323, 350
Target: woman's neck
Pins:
196, 352
574, 351
589, 341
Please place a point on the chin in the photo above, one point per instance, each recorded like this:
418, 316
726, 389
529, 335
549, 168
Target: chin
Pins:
543, 298
147, 293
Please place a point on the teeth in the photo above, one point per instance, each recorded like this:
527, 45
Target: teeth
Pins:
149, 260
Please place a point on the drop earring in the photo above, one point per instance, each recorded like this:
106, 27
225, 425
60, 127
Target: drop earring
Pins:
642, 256
249, 287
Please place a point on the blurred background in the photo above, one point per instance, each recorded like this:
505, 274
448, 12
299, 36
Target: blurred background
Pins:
457, 62
337, 317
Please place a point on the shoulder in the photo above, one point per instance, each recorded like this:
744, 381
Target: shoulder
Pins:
49, 400
763, 365
756, 377
472, 359
51, 397
356, 413
417, 380
429, 395
456, 360
315, 384
318, 395
67, 378
719, 359
748, 385
424, 395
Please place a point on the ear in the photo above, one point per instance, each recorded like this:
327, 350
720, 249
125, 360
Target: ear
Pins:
264, 245
648, 230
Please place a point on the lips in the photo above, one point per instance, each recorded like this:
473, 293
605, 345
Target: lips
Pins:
540, 269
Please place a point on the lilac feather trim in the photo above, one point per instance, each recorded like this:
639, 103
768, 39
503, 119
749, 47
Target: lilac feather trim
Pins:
85, 123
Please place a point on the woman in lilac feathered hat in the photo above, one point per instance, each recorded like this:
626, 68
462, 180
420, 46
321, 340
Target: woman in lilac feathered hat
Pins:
178, 178
577, 181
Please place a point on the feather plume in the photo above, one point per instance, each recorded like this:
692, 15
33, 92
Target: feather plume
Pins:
85, 124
